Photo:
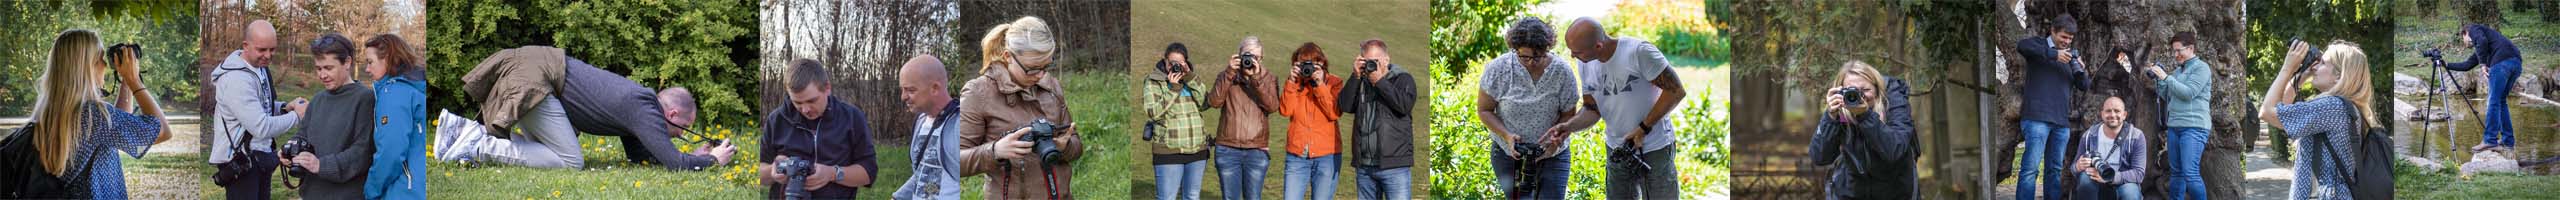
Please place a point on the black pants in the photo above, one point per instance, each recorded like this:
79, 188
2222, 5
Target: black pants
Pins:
253, 184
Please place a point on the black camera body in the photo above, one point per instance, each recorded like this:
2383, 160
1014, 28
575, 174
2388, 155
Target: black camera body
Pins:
1528, 150
293, 147
1528, 153
1368, 65
1853, 96
798, 171
1043, 136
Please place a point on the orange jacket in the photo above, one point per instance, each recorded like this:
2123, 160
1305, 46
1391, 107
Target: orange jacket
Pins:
1311, 116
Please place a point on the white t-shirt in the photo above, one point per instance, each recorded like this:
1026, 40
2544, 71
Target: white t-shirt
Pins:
1624, 88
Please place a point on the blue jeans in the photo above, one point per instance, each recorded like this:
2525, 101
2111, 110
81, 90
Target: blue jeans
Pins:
1303, 171
2497, 130
2046, 153
1393, 183
2186, 153
2093, 190
1240, 172
1547, 174
1180, 181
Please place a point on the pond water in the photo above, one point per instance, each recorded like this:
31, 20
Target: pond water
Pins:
2535, 135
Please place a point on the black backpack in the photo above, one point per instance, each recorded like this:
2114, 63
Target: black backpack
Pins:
27, 177
2370, 178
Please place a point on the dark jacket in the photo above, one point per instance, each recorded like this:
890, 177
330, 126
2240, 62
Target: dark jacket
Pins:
1382, 133
839, 138
2049, 83
603, 103
339, 129
2131, 145
2488, 47
1874, 158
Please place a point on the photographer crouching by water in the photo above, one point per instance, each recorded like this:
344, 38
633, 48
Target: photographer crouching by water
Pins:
1870, 151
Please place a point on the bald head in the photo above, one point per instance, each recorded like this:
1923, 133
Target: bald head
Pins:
678, 106
920, 85
260, 45
1587, 41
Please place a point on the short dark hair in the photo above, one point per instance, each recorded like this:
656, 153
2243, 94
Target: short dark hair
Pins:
805, 73
2065, 24
2184, 37
1531, 33
333, 45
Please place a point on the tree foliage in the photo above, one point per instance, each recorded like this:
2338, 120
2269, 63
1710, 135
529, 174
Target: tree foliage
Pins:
705, 46
165, 29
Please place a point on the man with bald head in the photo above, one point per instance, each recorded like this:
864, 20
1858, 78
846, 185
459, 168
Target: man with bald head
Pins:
248, 117
936, 143
1627, 82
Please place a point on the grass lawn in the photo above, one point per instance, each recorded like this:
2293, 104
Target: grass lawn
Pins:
1212, 29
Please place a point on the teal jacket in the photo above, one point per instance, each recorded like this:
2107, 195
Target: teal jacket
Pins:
399, 166
2189, 91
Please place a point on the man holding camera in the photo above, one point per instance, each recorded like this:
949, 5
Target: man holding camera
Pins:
247, 111
820, 145
2189, 91
1014, 123
2492, 50
2112, 156
1381, 97
2053, 71
335, 146
1247, 94
1629, 83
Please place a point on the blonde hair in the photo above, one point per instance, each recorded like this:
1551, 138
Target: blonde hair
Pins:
1875, 80
68, 83
2354, 82
1028, 34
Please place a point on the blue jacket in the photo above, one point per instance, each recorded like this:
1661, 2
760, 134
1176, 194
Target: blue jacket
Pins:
2487, 47
2190, 94
2049, 83
400, 163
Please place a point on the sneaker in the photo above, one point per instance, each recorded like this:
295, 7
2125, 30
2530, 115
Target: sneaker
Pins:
2482, 147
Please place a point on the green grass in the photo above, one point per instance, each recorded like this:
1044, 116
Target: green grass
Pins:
607, 175
1212, 30
2445, 184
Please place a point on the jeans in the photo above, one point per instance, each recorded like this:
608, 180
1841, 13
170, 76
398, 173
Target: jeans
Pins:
2093, 190
253, 184
2186, 152
2046, 145
1547, 176
1392, 183
1180, 181
1318, 172
2497, 130
1656, 178
1240, 171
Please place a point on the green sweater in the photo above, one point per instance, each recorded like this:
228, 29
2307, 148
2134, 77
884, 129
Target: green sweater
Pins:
2189, 91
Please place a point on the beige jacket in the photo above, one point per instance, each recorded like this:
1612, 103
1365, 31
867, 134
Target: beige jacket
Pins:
512, 80
991, 106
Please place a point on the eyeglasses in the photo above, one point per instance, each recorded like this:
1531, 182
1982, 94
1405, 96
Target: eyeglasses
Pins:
1030, 69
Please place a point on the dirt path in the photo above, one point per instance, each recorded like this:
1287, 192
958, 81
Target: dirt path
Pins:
162, 179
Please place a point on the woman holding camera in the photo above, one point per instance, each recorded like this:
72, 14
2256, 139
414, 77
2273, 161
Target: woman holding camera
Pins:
76, 136
1013, 91
1874, 159
1524, 94
2333, 117
1180, 140
1307, 98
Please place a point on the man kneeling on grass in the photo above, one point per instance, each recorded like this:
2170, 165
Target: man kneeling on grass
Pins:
552, 97
824, 132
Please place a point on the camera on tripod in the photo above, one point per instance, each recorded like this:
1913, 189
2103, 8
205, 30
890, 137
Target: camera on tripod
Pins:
798, 171
1042, 134
295, 147
2435, 56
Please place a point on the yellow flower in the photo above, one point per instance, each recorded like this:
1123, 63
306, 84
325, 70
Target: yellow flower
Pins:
555, 193
638, 183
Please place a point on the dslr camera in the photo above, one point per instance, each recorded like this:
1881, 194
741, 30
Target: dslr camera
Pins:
798, 171
294, 147
1043, 144
1853, 95
1249, 63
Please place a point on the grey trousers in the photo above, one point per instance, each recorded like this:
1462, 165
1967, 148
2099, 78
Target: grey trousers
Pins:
1661, 180
542, 138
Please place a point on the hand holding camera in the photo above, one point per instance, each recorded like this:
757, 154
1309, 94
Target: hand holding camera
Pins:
1039, 138
1846, 101
797, 172
298, 157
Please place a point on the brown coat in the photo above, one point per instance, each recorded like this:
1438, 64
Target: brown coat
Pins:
1246, 122
991, 106
513, 80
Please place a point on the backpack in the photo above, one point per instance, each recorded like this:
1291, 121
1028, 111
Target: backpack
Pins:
26, 175
2370, 178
